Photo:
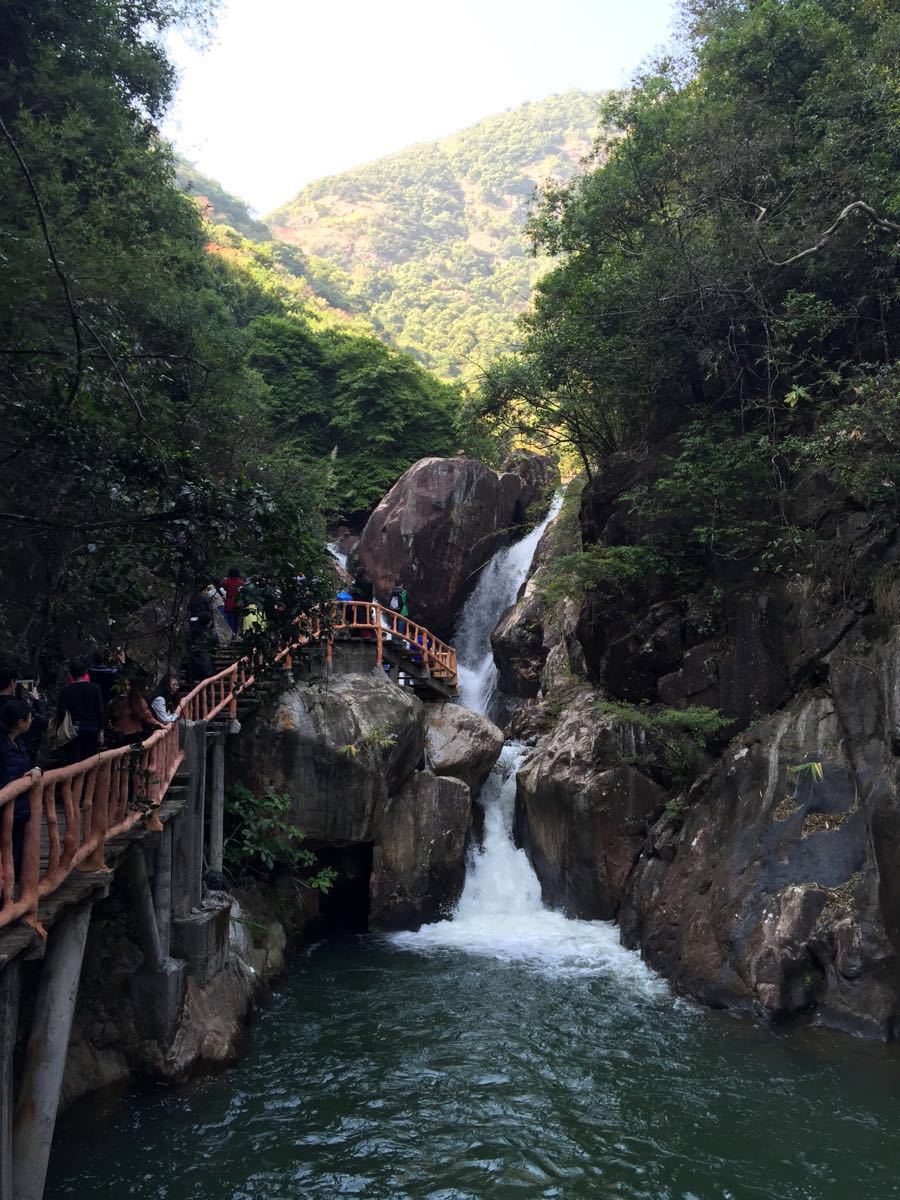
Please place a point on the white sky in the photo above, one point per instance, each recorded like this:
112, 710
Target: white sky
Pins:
291, 90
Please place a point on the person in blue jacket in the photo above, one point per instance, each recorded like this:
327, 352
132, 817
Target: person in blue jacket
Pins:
16, 763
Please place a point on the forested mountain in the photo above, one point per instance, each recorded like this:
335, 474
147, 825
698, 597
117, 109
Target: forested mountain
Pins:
175, 396
433, 237
216, 204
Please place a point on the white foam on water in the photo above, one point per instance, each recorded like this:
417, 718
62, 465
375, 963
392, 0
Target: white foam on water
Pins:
500, 914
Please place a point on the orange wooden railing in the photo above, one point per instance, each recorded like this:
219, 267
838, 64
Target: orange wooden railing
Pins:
367, 619
99, 798
103, 796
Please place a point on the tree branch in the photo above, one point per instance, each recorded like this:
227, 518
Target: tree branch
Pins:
61, 275
856, 206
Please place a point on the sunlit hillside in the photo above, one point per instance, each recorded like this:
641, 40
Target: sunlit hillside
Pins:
432, 237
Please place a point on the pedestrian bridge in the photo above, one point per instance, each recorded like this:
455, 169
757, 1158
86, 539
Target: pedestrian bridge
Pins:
152, 813
79, 811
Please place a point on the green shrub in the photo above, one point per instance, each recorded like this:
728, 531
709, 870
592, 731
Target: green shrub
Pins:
680, 733
573, 575
263, 836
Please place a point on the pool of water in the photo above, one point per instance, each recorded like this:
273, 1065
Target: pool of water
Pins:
425, 1071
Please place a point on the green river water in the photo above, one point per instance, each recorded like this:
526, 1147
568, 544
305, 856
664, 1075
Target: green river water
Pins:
387, 1070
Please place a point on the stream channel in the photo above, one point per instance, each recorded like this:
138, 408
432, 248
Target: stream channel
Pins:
508, 1052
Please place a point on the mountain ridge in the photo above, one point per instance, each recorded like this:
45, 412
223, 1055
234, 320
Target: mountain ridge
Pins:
429, 242
433, 235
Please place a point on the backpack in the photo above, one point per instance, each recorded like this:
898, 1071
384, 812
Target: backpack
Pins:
396, 600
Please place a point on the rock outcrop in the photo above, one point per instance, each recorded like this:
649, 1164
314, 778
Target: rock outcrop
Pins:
350, 753
461, 743
582, 810
418, 867
339, 748
435, 530
769, 883
538, 472
110, 1042
777, 887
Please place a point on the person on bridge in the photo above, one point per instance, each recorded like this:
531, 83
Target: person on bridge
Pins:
399, 603
130, 717
83, 701
231, 587
16, 763
165, 702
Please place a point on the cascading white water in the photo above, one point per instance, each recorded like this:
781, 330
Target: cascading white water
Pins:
335, 551
497, 588
500, 913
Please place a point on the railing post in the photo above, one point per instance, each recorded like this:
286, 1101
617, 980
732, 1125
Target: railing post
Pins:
31, 857
99, 817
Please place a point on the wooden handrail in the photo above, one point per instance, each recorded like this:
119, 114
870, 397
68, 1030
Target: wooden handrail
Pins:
101, 797
368, 616
104, 796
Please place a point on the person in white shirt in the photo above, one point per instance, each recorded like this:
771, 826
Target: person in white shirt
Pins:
165, 703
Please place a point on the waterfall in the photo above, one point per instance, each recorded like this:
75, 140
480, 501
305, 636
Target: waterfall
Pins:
497, 588
335, 551
500, 913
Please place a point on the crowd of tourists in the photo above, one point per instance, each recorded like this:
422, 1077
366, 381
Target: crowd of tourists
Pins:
103, 703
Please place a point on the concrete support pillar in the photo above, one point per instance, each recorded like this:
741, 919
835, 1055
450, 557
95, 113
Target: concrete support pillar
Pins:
157, 989
217, 804
142, 907
188, 838
45, 1056
162, 888
9, 1019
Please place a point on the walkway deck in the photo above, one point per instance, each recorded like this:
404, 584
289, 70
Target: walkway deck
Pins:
84, 817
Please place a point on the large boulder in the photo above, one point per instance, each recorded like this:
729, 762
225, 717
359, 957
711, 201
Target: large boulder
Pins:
461, 743
582, 809
435, 530
419, 862
539, 473
777, 888
339, 748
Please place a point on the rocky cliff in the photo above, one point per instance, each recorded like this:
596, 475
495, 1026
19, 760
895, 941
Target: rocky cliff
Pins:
716, 766
350, 751
439, 525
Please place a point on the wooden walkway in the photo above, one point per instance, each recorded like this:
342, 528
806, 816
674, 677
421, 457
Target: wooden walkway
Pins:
84, 817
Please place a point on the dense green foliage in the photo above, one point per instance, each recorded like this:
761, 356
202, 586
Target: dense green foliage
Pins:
261, 836
150, 431
675, 737
433, 236
727, 287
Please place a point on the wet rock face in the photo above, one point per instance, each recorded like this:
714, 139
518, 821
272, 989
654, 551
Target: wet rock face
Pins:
534, 644
752, 640
582, 810
435, 529
340, 750
461, 743
418, 867
777, 889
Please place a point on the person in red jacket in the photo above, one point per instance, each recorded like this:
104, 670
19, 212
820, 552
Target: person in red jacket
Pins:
231, 586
